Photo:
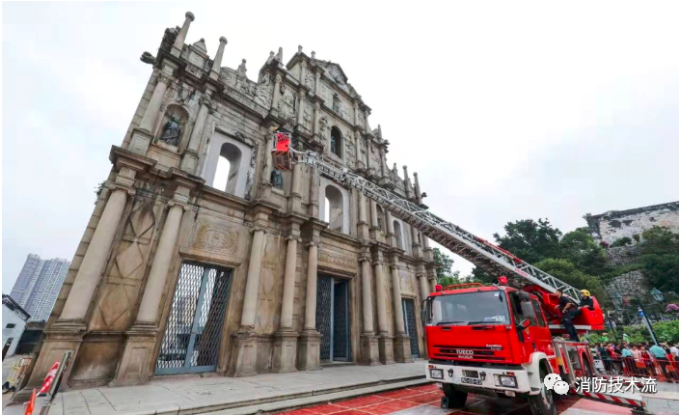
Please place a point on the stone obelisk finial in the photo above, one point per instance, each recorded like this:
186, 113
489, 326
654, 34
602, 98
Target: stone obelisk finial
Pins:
181, 36
217, 63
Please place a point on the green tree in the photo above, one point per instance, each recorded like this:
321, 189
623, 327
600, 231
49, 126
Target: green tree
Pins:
580, 248
444, 264
480, 275
570, 274
530, 240
660, 259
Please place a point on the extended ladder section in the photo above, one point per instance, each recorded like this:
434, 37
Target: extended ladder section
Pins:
476, 250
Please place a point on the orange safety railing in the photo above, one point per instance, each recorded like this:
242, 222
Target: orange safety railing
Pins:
664, 370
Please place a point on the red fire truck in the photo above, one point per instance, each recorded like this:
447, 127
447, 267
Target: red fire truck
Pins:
499, 341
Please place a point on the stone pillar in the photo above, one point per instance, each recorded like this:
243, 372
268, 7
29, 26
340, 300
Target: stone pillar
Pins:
268, 165
285, 344
369, 345
217, 62
363, 232
135, 364
406, 181
424, 286
374, 228
366, 113
309, 353
313, 209
190, 159
93, 264
302, 74
317, 119
417, 253
401, 340
244, 359
385, 340
276, 93
181, 36
252, 285
300, 110
295, 199
383, 162
317, 84
355, 113
391, 235
148, 311
141, 138
418, 192
426, 249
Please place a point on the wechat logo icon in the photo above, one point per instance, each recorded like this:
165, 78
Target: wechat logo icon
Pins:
556, 384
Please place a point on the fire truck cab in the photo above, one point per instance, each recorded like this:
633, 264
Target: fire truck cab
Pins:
496, 340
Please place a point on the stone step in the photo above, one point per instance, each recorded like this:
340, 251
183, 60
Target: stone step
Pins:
319, 398
337, 364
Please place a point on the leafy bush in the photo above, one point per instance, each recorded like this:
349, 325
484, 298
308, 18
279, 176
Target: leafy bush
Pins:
623, 241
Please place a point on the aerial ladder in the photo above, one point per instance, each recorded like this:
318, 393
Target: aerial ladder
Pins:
480, 252
476, 250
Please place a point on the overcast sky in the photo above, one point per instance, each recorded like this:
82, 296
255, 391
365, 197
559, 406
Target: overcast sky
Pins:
507, 110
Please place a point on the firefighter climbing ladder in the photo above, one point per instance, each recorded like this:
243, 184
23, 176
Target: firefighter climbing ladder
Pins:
480, 252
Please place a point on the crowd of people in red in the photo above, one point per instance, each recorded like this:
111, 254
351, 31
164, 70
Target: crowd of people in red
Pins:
640, 359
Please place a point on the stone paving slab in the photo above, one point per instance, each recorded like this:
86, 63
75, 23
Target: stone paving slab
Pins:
186, 395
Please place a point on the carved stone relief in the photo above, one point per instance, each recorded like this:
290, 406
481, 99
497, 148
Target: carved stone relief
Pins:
264, 91
337, 260
309, 80
214, 236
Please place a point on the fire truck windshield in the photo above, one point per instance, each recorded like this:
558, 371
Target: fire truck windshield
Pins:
484, 307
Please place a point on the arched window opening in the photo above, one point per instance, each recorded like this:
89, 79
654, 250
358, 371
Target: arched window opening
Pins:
229, 162
399, 234
336, 102
222, 173
334, 204
336, 141
381, 223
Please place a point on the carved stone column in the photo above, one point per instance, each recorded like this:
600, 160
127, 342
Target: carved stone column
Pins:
181, 36
300, 110
314, 184
417, 253
217, 62
302, 74
317, 84
190, 159
391, 235
276, 94
363, 232
406, 182
424, 285
295, 198
285, 344
366, 113
418, 192
374, 227
245, 353
91, 269
355, 103
141, 138
426, 249
385, 340
135, 366
401, 340
369, 346
309, 353
268, 159
317, 120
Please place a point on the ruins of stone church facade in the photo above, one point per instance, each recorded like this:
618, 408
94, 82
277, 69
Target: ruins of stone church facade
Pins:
178, 272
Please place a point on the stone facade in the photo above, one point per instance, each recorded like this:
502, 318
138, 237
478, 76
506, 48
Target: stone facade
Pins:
613, 225
161, 209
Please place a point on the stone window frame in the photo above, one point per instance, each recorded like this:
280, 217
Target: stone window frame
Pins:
346, 215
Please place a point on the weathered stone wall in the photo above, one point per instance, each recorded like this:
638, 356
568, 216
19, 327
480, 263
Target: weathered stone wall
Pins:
623, 255
613, 225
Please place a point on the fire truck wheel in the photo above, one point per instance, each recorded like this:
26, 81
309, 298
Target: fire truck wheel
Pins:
542, 403
456, 399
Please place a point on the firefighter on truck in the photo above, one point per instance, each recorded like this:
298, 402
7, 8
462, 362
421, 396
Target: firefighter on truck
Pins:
497, 340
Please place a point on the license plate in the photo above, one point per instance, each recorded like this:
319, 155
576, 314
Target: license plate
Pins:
473, 381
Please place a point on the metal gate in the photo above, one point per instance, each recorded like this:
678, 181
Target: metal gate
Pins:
332, 319
340, 333
324, 315
411, 326
194, 328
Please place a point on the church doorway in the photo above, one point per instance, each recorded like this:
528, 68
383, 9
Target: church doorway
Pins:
332, 319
